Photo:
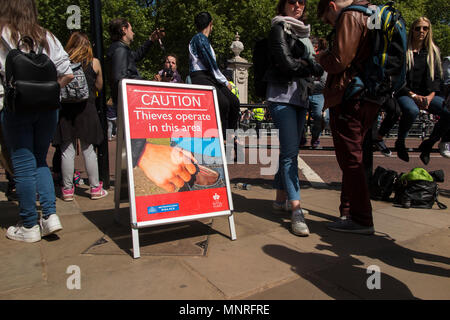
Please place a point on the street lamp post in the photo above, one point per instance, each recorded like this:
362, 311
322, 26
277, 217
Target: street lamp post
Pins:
97, 36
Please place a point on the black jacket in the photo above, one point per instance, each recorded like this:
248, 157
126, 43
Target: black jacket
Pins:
285, 53
121, 64
418, 79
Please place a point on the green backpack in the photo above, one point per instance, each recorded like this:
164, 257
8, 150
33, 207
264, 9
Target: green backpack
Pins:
416, 174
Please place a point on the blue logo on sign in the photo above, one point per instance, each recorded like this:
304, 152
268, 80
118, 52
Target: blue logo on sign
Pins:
164, 208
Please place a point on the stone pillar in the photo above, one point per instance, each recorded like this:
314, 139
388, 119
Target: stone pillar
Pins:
240, 67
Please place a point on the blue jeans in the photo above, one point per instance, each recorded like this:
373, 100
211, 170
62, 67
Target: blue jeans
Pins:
316, 102
410, 111
28, 138
289, 120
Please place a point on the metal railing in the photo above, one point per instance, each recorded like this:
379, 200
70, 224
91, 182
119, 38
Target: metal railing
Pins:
421, 128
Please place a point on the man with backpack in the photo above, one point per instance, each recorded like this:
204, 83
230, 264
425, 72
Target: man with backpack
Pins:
350, 119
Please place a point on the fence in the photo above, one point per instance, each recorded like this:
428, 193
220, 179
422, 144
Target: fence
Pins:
421, 128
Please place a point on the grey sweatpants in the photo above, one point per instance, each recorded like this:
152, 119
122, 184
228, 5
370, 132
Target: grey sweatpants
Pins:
68, 163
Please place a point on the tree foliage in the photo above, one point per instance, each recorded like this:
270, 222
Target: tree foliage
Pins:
250, 18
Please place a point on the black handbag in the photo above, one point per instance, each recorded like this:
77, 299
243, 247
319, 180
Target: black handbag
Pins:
417, 194
382, 183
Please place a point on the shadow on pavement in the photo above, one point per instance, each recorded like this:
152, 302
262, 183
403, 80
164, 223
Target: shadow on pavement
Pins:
186, 238
343, 267
346, 275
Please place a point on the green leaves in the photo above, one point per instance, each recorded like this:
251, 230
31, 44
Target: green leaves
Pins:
251, 18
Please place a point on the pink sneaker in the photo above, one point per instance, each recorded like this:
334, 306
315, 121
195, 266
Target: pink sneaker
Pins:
98, 192
67, 194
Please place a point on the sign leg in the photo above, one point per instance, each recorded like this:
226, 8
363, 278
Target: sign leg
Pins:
232, 227
136, 248
118, 178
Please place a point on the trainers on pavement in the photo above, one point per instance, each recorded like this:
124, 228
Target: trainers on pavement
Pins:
298, 224
20, 233
50, 225
98, 192
381, 146
67, 194
444, 149
348, 225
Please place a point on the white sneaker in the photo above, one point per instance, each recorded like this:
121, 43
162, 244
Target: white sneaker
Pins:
50, 225
20, 233
444, 149
298, 224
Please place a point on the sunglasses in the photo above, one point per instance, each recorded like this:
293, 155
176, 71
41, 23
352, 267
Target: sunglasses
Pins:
300, 2
418, 28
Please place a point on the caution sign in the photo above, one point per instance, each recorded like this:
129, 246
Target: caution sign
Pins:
175, 153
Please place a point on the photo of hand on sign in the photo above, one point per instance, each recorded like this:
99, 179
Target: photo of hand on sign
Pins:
168, 167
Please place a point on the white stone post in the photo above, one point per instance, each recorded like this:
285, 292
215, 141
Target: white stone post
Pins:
240, 67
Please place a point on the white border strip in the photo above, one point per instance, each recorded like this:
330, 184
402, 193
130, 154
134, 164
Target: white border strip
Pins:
312, 177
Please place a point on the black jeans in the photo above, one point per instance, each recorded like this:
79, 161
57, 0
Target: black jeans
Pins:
229, 104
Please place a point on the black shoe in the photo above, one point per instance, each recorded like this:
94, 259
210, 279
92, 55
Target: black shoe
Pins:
402, 153
349, 226
385, 151
425, 148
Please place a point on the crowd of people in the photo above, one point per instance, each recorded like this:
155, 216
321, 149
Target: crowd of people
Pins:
306, 74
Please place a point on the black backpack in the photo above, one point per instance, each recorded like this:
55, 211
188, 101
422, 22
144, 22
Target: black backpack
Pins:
261, 63
31, 80
382, 183
384, 72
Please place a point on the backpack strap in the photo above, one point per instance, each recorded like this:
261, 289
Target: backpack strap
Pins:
6, 44
360, 8
441, 205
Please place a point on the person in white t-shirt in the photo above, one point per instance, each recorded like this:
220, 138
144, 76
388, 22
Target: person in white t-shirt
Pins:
28, 135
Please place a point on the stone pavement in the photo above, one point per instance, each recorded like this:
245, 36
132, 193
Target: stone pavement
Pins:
197, 260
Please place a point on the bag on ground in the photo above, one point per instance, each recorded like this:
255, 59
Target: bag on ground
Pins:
382, 183
417, 189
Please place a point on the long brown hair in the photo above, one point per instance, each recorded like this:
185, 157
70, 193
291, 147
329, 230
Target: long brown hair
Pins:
79, 48
21, 18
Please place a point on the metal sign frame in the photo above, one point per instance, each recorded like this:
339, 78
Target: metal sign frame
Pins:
123, 135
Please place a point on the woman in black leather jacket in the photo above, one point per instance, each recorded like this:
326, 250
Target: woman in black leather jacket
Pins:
288, 82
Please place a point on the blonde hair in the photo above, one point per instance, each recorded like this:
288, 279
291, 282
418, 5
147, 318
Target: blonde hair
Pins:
79, 48
434, 55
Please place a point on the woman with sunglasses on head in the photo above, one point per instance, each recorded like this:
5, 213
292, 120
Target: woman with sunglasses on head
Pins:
424, 73
288, 79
